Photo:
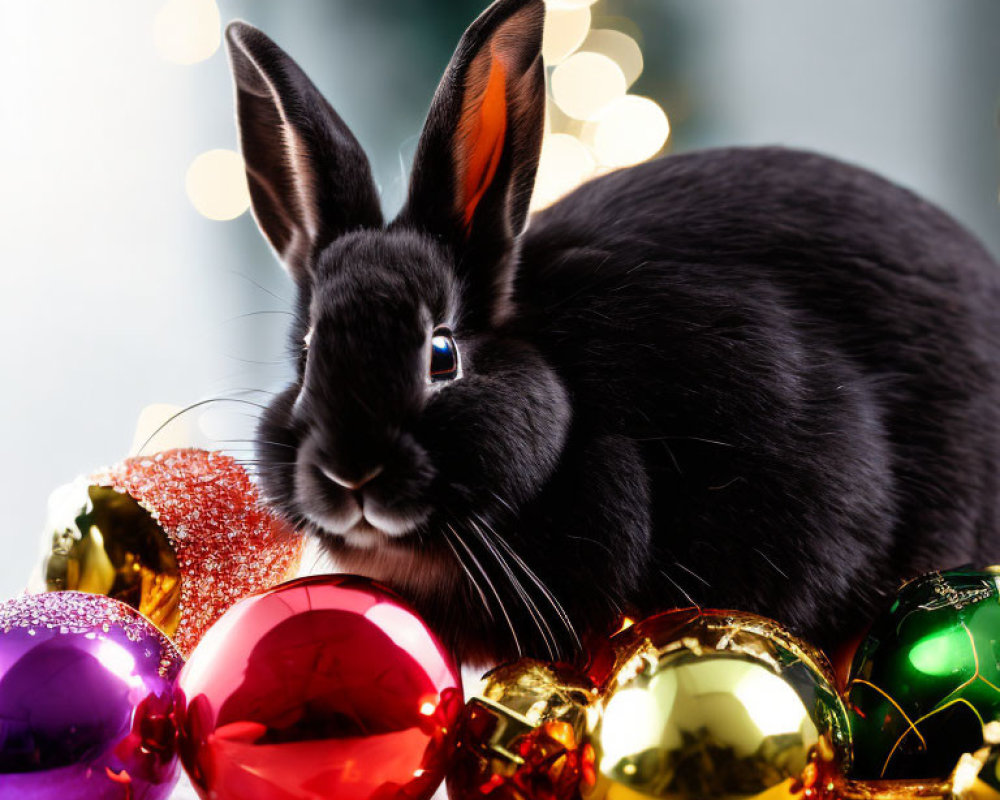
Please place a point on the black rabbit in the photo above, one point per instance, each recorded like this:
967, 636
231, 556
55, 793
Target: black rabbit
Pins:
748, 378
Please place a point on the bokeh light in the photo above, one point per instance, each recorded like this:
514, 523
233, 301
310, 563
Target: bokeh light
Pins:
566, 162
630, 130
620, 48
592, 125
187, 31
216, 185
569, 4
585, 83
565, 31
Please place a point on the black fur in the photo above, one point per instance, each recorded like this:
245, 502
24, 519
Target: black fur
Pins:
749, 378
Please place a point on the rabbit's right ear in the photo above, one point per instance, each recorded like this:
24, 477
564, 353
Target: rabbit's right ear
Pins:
309, 178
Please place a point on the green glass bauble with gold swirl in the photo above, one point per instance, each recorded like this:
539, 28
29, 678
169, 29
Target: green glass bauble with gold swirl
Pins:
926, 679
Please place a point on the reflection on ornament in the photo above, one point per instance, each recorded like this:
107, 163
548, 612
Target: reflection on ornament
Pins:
926, 679
104, 542
180, 535
323, 687
86, 694
713, 704
522, 735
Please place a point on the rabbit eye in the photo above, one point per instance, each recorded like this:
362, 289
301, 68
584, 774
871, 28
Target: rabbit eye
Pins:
444, 356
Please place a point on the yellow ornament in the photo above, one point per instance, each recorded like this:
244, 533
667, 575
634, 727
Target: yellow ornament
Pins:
700, 705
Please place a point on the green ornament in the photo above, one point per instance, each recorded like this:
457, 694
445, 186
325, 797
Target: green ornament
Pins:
927, 677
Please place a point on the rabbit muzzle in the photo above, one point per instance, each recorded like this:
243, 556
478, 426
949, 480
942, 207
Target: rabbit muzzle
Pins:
365, 505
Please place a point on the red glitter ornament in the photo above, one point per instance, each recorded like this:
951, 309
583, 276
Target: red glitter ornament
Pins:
228, 544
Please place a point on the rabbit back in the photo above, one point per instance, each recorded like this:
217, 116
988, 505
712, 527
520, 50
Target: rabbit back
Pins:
807, 357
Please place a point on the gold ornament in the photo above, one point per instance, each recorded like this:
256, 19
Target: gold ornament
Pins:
896, 790
522, 735
179, 535
103, 542
714, 704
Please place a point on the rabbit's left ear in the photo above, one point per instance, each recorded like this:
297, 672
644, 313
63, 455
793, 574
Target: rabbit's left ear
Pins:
476, 161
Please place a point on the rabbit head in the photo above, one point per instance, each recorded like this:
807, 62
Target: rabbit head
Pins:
416, 407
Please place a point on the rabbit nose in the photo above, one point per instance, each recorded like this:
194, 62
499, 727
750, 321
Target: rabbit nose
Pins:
355, 484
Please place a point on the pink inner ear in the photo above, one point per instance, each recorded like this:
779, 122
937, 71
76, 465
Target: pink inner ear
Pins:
485, 124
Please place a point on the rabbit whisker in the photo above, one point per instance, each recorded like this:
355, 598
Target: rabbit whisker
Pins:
264, 289
192, 407
698, 577
256, 441
777, 569
602, 545
557, 606
530, 573
507, 505
492, 588
260, 313
280, 362
468, 574
701, 439
680, 589
536, 614
472, 581
248, 390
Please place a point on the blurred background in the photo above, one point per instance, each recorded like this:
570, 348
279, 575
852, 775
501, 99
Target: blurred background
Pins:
133, 275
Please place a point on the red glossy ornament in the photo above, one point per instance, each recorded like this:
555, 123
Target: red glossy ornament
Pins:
323, 687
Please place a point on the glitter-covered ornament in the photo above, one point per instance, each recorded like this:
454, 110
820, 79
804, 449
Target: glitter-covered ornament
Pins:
927, 677
86, 693
522, 735
324, 687
180, 535
715, 704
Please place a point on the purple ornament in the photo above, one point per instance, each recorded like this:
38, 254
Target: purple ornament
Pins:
86, 686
